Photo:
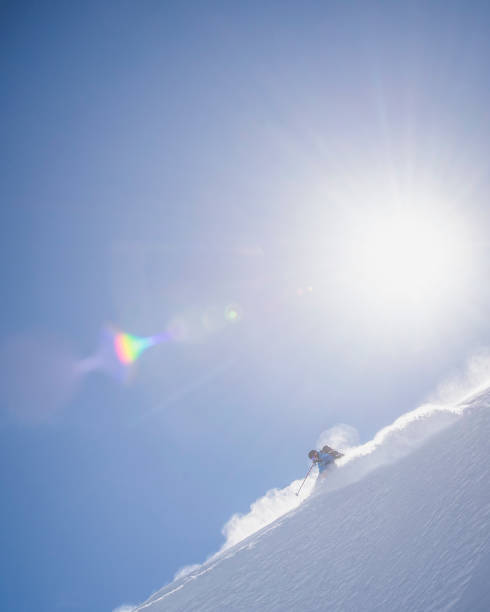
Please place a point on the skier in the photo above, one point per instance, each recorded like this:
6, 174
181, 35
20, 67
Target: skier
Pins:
324, 458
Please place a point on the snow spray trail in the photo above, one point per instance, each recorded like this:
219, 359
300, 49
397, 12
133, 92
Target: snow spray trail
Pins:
390, 444
277, 502
413, 535
402, 437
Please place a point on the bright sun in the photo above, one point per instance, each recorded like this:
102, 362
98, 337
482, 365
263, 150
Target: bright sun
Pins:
406, 257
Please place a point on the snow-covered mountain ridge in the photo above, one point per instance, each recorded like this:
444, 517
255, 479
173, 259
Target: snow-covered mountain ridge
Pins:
402, 524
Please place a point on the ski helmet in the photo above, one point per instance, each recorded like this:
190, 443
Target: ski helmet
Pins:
312, 454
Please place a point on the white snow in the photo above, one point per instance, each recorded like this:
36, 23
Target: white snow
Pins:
403, 523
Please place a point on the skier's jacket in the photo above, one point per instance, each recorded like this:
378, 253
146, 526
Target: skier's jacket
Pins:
327, 456
324, 460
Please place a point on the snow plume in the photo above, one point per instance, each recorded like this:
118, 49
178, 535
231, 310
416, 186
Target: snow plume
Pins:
390, 444
412, 429
474, 379
403, 437
277, 502
265, 510
340, 437
124, 608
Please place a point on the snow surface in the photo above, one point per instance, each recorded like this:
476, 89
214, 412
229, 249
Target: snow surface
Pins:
403, 523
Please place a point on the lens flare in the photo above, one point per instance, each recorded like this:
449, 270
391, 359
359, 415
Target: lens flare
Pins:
128, 347
233, 313
118, 351
36, 365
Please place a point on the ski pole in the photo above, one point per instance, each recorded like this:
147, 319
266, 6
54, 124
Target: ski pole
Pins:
307, 474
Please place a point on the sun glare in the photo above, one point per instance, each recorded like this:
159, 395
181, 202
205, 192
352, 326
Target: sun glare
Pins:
407, 257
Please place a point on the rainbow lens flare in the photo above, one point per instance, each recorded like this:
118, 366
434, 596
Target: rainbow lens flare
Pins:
128, 347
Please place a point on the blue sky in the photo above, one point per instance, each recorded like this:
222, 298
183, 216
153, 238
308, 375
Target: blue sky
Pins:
162, 163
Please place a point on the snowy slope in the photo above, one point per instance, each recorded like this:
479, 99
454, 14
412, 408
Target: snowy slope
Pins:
383, 532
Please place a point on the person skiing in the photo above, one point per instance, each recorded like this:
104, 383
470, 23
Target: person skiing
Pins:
324, 458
